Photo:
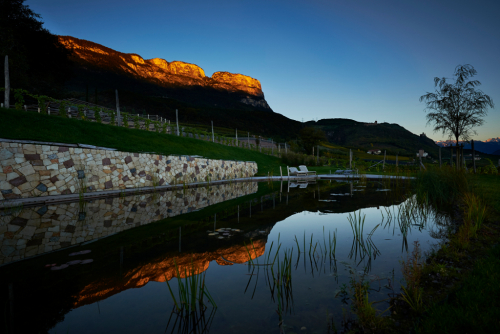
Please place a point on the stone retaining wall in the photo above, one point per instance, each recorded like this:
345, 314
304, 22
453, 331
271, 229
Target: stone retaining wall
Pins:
26, 232
30, 170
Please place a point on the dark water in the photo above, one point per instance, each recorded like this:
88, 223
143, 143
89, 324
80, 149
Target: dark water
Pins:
133, 243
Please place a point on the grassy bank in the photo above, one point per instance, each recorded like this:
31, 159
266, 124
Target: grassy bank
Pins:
456, 289
17, 124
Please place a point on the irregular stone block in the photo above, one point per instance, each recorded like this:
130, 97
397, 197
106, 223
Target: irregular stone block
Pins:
30, 157
18, 181
69, 163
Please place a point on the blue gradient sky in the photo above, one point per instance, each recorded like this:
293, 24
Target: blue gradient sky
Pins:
359, 59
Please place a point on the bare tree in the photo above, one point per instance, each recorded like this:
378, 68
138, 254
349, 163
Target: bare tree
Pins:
455, 109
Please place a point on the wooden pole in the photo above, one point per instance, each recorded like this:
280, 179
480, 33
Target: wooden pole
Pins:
7, 83
176, 121
281, 173
350, 159
119, 122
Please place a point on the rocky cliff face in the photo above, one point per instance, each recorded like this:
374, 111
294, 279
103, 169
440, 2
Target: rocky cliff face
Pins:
162, 72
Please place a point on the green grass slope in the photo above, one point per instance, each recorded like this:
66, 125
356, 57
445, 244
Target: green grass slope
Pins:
16, 124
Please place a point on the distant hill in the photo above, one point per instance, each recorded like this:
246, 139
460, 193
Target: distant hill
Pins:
488, 146
384, 136
497, 152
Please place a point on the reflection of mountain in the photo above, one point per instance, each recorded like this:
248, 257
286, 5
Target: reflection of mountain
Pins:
164, 269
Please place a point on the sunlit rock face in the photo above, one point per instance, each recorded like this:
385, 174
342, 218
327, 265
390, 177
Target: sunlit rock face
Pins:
165, 269
231, 81
162, 72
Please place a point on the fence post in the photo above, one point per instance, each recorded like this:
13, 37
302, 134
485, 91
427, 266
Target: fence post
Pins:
25, 108
48, 110
38, 110
213, 137
119, 122
7, 83
176, 120
69, 112
350, 159
1, 104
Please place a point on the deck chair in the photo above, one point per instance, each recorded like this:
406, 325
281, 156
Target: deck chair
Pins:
295, 172
305, 170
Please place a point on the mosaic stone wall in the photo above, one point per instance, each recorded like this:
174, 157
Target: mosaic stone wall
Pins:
36, 230
40, 170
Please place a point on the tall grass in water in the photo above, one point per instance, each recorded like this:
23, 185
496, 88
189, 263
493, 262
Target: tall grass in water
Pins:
441, 186
368, 319
192, 289
474, 215
412, 273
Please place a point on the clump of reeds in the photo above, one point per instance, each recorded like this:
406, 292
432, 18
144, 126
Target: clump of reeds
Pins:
369, 318
192, 289
441, 186
412, 273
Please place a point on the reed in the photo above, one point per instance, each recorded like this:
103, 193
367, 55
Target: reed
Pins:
412, 273
191, 289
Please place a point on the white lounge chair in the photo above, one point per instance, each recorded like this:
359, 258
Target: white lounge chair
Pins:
305, 170
295, 172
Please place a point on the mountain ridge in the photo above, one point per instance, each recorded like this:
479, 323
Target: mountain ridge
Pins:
163, 73
489, 146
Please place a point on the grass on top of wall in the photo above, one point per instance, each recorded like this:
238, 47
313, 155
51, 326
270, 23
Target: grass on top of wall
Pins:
18, 124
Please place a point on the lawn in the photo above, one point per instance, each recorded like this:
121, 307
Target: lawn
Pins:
18, 124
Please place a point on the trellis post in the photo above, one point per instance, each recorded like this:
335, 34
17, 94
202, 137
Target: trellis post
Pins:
213, 137
119, 122
7, 83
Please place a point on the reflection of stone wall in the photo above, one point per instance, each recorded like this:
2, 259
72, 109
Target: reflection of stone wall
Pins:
37, 230
39, 170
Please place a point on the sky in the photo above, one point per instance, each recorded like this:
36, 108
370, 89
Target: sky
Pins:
365, 60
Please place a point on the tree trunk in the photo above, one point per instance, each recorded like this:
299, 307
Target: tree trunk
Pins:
473, 156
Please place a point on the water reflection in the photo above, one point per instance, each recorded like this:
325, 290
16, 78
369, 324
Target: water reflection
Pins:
37, 230
293, 253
